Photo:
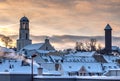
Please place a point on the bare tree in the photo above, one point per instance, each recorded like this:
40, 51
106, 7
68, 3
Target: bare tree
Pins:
99, 48
93, 44
7, 40
79, 46
87, 46
90, 45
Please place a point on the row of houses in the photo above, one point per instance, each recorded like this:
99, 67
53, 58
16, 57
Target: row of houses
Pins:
58, 63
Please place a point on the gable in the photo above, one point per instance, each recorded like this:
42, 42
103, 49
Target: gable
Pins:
46, 46
33, 46
83, 70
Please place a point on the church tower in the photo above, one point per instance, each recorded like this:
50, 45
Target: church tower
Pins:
108, 39
23, 33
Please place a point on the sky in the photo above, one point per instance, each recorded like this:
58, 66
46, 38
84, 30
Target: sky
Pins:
64, 21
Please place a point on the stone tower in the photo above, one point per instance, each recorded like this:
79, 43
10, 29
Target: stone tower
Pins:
23, 33
108, 39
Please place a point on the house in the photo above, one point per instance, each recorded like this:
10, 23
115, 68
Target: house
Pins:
38, 48
81, 69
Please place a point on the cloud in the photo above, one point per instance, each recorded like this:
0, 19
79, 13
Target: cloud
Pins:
68, 41
58, 18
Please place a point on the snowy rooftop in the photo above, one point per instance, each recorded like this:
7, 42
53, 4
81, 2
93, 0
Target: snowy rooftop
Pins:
54, 58
108, 66
85, 54
109, 58
89, 67
42, 51
4, 50
51, 73
80, 59
15, 66
115, 48
33, 46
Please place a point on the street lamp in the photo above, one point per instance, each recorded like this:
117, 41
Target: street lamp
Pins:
33, 56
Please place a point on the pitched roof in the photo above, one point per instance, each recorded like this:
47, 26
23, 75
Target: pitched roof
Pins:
85, 54
33, 46
108, 27
90, 67
16, 67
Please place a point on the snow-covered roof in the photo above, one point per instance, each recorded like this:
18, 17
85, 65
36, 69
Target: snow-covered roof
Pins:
85, 54
86, 57
115, 48
51, 73
109, 58
4, 49
16, 67
108, 66
42, 51
79, 59
33, 46
48, 66
90, 67
55, 57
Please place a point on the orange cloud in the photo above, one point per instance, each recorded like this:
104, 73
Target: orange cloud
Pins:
60, 17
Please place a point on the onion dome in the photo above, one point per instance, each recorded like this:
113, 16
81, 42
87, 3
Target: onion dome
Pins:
24, 19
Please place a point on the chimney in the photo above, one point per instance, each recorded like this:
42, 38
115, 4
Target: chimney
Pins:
40, 71
57, 66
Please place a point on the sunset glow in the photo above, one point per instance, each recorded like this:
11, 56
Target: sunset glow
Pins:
60, 17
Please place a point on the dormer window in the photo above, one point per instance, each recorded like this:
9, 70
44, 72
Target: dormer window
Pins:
115, 67
109, 66
70, 67
89, 67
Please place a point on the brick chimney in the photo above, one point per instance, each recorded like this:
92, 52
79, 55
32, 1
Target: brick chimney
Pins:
40, 71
